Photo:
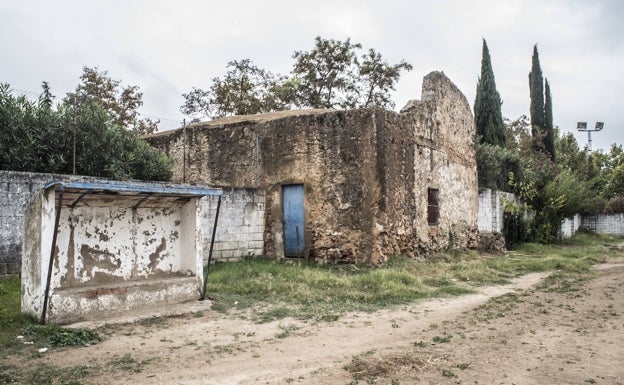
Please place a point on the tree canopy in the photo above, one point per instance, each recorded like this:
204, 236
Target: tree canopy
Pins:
540, 108
579, 182
536, 92
333, 74
245, 89
121, 103
549, 139
487, 108
40, 137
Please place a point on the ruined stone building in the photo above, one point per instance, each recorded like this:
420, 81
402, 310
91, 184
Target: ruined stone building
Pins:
342, 186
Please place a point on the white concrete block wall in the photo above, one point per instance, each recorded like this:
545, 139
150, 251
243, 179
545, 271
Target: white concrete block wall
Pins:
604, 223
240, 230
492, 209
484, 216
570, 226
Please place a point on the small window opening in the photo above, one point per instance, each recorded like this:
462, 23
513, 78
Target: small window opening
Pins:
433, 206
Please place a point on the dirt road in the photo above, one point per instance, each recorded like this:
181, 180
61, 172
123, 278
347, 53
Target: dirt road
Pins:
555, 330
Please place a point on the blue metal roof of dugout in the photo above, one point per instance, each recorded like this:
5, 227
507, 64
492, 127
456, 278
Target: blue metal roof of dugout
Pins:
116, 187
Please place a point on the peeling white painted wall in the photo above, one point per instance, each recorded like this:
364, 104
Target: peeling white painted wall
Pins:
110, 257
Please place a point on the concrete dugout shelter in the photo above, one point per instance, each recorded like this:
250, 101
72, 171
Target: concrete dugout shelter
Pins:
97, 248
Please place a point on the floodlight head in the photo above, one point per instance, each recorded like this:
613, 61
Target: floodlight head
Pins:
581, 126
599, 126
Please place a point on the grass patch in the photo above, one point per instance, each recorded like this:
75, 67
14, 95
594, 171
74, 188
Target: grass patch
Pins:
286, 330
442, 339
9, 374
313, 291
11, 318
370, 369
13, 324
46, 374
61, 337
276, 290
127, 363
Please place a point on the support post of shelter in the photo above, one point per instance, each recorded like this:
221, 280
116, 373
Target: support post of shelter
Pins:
57, 219
214, 232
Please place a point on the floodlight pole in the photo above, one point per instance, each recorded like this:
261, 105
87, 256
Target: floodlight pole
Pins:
582, 127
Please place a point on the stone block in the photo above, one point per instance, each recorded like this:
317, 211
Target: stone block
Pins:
229, 254
259, 236
256, 245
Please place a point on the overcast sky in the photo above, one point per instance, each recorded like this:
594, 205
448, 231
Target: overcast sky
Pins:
168, 47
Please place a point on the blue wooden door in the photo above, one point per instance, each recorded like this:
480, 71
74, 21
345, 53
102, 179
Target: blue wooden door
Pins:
292, 200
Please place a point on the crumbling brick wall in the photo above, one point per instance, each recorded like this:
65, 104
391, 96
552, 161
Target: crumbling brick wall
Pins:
366, 173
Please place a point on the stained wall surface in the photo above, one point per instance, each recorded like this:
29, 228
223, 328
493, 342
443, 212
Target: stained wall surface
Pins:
109, 255
367, 174
16, 190
240, 229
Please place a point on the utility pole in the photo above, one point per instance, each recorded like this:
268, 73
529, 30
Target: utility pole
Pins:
184, 151
75, 130
582, 126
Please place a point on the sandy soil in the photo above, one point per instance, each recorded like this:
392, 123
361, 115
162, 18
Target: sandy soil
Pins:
535, 331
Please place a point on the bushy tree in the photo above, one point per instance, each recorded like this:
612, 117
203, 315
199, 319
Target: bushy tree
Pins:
494, 166
563, 197
334, 75
245, 89
487, 108
571, 157
325, 74
376, 78
331, 75
608, 168
32, 137
36, 137
121, 103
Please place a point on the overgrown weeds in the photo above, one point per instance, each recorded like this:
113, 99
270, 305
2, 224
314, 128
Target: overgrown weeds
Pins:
19, 332
274, 290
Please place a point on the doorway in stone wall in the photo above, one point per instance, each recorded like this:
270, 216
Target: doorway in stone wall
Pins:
292, 203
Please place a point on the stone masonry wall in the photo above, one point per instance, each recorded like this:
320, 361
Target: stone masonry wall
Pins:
330, 152
366, 173
333, 155
430, 143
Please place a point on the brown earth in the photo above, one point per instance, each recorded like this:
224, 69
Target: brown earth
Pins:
561, 329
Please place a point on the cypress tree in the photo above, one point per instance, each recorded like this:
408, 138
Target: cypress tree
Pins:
487, 107
536, 87
549, 140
